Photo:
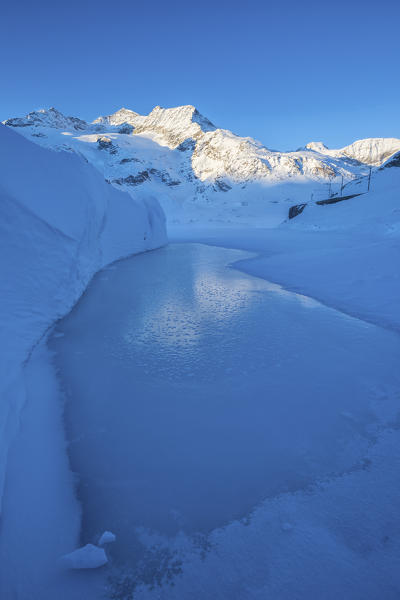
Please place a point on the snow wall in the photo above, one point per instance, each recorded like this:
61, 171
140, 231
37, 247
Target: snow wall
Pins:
60, 222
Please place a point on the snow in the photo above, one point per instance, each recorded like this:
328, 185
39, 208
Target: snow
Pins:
107, 538
259, 448
59, 224
173, 126
340, 536
87, 557
371, 151
200, 173
345, 255
40, 518
49, 118
283, 442
308, 313
122, 116
344, 542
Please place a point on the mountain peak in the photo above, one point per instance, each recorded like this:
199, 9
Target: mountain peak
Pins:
50, 117
186, 112
316, 146
121, 116
172, 126
369, 151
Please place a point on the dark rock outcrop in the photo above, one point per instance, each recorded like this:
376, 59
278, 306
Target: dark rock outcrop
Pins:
105, 143
296, 210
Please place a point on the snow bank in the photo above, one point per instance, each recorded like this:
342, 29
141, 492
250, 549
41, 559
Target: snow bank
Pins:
376, 212
358, 271
60, 222
345, 255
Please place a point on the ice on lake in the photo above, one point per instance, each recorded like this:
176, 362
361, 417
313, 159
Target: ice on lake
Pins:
195, 391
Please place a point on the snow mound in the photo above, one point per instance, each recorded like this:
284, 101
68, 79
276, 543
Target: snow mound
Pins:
107, 538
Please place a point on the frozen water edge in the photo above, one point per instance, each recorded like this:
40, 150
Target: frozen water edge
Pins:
249, 547
43, 516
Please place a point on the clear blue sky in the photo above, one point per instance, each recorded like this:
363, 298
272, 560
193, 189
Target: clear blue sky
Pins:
284, 72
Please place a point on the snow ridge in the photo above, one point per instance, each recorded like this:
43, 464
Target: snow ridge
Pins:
172, 126
371, 151
120, 117
48, 118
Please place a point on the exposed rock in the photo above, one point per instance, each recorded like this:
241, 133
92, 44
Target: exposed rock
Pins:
126, 128
164, 177
394, 161
145, 175
222, 185
187, 145
133, 179
105, 143
125, 161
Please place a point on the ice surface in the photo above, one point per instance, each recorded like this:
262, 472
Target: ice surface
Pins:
200, 392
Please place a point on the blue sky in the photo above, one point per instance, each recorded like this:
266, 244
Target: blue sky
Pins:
282, 72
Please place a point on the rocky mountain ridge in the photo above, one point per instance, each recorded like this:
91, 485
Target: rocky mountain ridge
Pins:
370, 151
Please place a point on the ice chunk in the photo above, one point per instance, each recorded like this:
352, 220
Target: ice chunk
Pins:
87, 557
106, 538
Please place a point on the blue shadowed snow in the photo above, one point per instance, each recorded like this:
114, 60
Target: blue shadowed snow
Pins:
195, 391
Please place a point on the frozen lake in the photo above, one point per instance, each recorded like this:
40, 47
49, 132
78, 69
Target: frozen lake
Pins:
194, 391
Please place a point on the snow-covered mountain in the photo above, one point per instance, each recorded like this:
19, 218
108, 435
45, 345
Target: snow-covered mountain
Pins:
48, 118
371, 151
123, 116
199, 172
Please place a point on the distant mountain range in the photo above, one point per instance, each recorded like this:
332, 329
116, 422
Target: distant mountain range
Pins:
187, 162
